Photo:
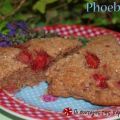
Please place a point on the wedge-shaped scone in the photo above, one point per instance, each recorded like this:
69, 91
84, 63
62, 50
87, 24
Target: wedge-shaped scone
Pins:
26, 64
92, 73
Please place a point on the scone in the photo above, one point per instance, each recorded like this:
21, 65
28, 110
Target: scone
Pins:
92, 73
26, 64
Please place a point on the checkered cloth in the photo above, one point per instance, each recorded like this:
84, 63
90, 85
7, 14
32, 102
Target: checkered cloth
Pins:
9, 103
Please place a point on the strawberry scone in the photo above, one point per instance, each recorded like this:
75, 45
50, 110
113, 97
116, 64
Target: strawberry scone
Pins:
92, 73
25, 64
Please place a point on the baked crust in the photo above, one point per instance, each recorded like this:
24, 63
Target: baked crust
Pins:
16, 74
72, 76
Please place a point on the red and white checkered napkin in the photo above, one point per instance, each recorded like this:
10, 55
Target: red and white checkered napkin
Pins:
9, 103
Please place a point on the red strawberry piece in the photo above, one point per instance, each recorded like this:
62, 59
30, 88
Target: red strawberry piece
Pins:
100, 80
25, 56
92, 60
49, 98
41, 61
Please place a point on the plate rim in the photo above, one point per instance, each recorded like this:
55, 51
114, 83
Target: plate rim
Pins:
31, 118
16, 114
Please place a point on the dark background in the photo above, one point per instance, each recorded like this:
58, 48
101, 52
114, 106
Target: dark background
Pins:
49, 12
